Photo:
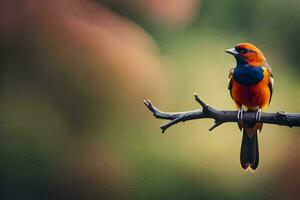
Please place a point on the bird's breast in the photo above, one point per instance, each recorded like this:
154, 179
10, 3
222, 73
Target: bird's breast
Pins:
247, 75
252, 96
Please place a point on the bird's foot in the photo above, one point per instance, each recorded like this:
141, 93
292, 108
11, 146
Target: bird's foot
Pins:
258, 115
240, 115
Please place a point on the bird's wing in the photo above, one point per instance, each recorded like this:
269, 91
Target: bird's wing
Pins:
271, 86
230, 80
271, 80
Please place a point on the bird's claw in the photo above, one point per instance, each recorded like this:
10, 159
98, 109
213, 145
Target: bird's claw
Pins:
258, 115
240, 115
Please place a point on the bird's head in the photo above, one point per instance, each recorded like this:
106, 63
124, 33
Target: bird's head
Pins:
246, 52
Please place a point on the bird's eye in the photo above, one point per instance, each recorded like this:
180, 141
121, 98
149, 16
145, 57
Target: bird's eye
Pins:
244, 50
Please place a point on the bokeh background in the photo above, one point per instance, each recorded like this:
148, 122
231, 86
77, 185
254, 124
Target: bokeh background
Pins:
73, 76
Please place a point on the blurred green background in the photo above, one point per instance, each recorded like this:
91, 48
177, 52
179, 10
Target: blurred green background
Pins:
73, 77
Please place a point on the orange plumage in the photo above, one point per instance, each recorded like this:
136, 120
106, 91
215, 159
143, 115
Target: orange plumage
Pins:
251, 86
252, 97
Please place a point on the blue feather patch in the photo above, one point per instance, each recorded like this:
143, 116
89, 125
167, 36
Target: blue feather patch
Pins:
247, 75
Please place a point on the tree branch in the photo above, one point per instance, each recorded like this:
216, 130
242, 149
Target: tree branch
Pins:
222, 116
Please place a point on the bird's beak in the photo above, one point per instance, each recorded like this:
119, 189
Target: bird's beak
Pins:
232, 51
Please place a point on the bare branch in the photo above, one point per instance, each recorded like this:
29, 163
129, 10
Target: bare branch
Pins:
221, 116
216, 124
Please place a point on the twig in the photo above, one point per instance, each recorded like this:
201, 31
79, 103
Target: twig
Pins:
221, 116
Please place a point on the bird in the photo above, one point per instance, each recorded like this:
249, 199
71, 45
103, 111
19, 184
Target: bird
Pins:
251, 86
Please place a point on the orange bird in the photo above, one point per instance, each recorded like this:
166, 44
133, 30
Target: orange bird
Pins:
251, 86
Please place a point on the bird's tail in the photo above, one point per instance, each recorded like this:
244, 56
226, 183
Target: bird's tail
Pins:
249, 149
